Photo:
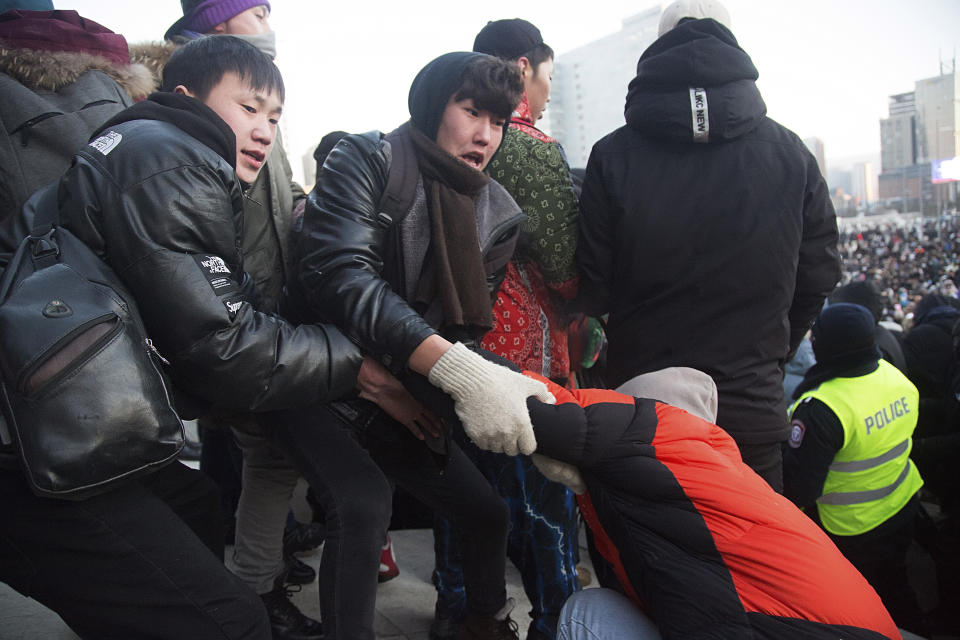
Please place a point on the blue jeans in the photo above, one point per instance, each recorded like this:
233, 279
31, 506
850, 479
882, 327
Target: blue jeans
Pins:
603, 614
542, 543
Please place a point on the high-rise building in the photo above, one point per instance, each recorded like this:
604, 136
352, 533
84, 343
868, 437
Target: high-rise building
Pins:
815, 145
863, 183
590, 85
922, 131
938, 115
898, 141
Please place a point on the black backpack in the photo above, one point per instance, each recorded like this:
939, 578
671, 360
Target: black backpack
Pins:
85, 403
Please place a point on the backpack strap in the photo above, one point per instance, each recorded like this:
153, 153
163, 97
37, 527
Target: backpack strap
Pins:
402, 180
43, 243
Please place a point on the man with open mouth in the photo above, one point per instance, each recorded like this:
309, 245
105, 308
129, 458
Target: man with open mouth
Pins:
405, 241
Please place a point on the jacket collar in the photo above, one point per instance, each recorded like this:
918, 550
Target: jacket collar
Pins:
190, 115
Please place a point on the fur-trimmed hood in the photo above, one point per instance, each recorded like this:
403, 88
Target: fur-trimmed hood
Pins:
153, 56
53, 70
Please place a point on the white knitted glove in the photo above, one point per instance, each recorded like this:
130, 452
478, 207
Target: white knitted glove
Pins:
562, 472
490, 400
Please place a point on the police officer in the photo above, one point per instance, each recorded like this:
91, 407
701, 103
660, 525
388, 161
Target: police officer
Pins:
848, 460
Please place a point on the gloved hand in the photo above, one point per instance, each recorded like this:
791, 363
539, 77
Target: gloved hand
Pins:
490, 400
562, 472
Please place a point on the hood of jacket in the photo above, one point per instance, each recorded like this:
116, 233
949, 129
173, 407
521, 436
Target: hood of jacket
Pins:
695, 84
48, 50
153, 56
53, 70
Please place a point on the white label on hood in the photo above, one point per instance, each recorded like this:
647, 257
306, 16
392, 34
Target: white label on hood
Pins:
105, 143
701, 118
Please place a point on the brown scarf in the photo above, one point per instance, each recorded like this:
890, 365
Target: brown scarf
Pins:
453, 271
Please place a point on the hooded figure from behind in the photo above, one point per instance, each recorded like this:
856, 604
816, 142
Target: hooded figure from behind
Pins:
707, 231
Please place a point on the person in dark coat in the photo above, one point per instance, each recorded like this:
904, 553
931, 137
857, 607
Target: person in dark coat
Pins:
932, 363
707, 231
414, 287
866, 294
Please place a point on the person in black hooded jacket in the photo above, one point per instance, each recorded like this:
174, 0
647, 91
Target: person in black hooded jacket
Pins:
707, 232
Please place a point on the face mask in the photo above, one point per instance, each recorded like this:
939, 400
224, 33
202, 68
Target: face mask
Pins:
266, 42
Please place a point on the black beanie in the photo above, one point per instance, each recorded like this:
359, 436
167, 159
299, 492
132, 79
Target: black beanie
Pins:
507, 39
863, 293
432, 88
844, 336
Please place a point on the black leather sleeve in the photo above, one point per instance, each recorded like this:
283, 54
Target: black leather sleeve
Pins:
343, 244
172, 237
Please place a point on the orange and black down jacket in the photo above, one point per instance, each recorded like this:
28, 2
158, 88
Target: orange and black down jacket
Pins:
696, 537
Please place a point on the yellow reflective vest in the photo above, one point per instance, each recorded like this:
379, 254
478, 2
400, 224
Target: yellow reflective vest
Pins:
871, 477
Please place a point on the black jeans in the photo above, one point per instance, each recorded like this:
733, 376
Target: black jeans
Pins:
350, 482
124, 564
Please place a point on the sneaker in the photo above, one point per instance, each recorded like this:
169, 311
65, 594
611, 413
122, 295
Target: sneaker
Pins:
498, 626
296, 571
286, 621
303, 537
388, 563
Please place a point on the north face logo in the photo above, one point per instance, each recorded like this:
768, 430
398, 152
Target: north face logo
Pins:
107, 142
215, 265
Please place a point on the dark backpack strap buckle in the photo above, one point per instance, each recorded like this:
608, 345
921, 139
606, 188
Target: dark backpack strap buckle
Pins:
44, 249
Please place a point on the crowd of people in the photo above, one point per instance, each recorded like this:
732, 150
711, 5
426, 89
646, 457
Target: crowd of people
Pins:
419, 320
906, 257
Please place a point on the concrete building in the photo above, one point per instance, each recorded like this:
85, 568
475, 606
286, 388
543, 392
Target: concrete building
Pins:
863, 181
590, 85
898, 140
908, 189
922, 131
938, 114
815, 145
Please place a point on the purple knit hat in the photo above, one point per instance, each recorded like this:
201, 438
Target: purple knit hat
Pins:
200, 16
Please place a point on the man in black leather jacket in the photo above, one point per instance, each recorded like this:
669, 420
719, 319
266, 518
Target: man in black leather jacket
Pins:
406, 285
157, 194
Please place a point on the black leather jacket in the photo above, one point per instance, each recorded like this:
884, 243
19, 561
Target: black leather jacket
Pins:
352, 267
165, 211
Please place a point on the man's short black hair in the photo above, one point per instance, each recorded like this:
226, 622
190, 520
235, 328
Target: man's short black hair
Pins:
493, 84
200, 64
539, 54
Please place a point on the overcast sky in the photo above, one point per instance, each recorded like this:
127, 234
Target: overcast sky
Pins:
826, 66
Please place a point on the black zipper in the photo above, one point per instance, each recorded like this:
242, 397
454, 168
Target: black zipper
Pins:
77, 361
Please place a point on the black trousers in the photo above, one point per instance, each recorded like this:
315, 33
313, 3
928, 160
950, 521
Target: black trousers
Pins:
124, 564
348, 469
881, 556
